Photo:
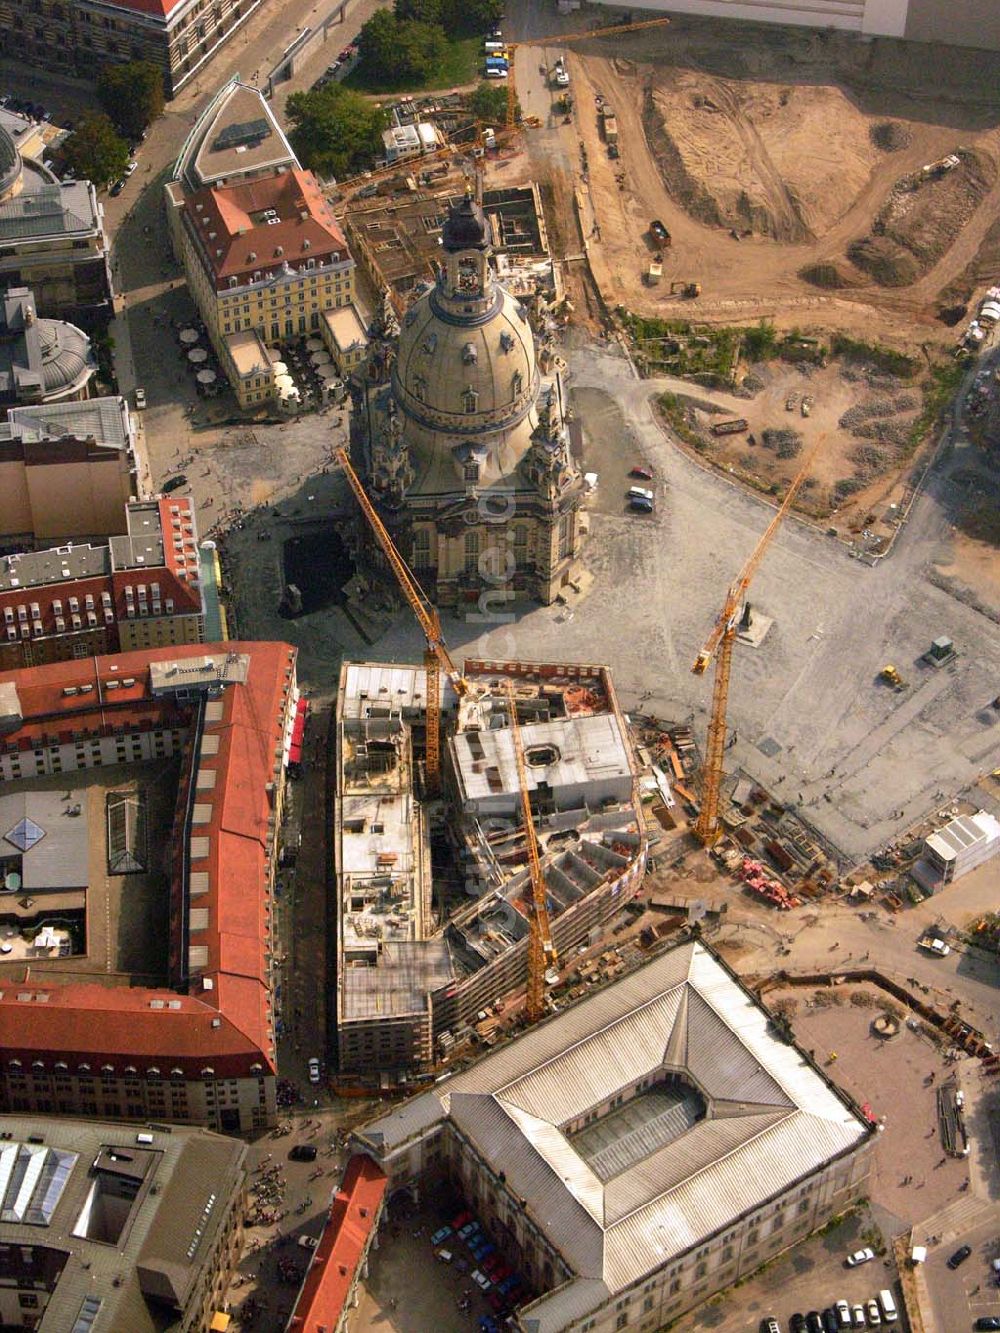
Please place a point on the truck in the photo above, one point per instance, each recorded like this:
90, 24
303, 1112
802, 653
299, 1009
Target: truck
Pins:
731, 427
655, 272
609, 124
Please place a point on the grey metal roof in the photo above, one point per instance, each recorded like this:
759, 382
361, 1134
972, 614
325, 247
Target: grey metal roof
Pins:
589, 748
106, 420
772, 1118
50, 210
59, 858
170, 1231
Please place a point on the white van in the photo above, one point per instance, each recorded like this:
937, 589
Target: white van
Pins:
493, 73
640, 493
888, 1306
493, 46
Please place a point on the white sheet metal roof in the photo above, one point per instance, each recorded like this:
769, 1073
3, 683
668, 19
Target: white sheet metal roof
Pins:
772, 1120
587, 748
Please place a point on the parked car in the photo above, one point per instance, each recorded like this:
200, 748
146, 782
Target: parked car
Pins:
659, 230
308, 1242
813, 1322
441, 1235
562, 74
468, 1229
643, 473
460, 1219
960, 1256
303, 1152
116, 188
797, 1323
640, 505
640, 493
864, 1256
481, 1280
313, 1069
988, 1321
831, 1323
858, 1316
874, 1313
174, 483
843, 1313
140, 399
131, 167
770, 1325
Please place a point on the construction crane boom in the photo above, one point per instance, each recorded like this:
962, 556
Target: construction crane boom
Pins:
541, 950
437, 657
719, 645
562, 38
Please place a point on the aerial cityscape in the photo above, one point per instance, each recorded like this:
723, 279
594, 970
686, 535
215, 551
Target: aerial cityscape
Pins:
499, 666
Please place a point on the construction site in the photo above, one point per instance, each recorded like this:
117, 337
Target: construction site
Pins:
435, 889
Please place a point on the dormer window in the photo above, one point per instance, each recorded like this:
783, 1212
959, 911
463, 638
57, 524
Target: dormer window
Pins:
517, 383
470, 400
429, 344
469, 354
419, 388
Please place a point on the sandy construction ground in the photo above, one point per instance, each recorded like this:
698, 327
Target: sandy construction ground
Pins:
765, 159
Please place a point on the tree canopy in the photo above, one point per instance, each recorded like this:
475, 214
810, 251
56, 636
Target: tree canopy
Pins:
131, 94
335, 131
489, 104
400, 50
94, 150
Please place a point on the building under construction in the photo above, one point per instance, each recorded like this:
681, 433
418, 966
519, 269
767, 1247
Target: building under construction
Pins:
420, 956
397, 241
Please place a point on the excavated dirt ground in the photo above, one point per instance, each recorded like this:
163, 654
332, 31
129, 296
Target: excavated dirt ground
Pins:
774, 134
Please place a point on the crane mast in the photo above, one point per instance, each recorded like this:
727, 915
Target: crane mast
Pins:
541, 950
719, 645
436, 657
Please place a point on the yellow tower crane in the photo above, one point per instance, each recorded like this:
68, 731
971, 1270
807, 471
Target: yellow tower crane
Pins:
562, 38
436, 657
541, 950
720, 645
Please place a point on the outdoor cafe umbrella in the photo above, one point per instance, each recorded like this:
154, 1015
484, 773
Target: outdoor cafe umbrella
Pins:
279, 367
197, 355
189, 337
206, 377
314, 344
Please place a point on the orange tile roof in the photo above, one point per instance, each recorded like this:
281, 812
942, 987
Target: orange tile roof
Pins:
342, 1246
85, 1018
235, 239
157, 9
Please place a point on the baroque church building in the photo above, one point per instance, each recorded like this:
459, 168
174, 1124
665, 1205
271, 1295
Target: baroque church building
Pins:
467, 450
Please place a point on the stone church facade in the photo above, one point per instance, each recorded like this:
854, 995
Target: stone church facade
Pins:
467, 447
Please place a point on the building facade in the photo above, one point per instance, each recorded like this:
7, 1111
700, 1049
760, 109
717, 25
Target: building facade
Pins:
202, 1049
468, 449
264, 260
67, 470
180, 36
639, 1151
52, 239
42, 361
140, 590
116, 1226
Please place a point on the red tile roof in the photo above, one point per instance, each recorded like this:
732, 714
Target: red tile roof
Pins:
160, 9
85, 1019
235, 239
342, 1246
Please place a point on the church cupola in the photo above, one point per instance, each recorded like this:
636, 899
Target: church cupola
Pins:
466, 275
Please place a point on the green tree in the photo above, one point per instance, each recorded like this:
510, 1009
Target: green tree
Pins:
394, 51
94, 150
132, 95
336, 131
489, 104
424, 11
470, 15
